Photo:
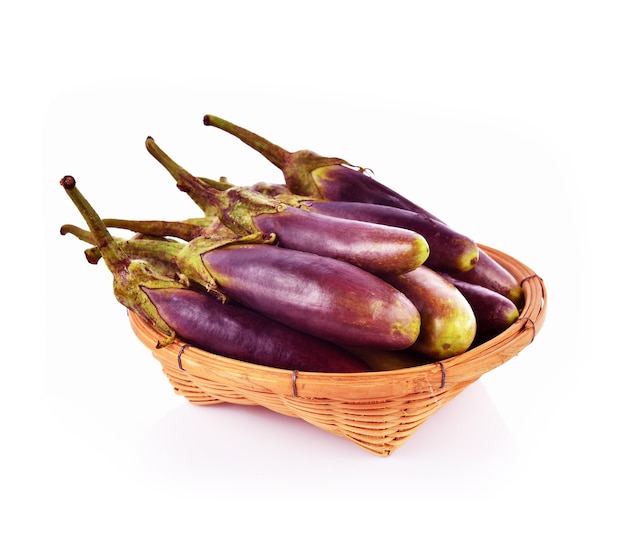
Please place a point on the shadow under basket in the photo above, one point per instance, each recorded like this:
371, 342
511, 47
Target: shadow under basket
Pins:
377, 411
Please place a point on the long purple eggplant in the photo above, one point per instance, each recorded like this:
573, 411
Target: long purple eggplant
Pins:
448, 322
324, 297
178, 311
494, 312
490, 274
377, 248
449, 249
326, 178
234, 331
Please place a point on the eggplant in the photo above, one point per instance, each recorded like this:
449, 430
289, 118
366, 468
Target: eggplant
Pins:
487, 272
448, 249
326, 178
324, 297
380, 249
494, 312
234, 331
448, 323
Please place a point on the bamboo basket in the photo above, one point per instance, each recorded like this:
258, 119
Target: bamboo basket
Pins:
377, 411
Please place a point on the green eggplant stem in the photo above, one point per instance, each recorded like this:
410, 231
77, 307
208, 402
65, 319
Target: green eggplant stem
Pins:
115, 257
158, 228
82, 234
201, 192
234, 206
277, 155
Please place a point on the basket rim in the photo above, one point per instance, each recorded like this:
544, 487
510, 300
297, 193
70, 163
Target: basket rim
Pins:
433, 377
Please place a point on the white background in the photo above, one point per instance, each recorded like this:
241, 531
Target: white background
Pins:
504, 119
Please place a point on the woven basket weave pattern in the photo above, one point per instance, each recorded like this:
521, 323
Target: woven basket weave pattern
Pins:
377, 411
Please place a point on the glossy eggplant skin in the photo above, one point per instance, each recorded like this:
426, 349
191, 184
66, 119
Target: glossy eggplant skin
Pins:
377, 248
324, 297
448, 321
494, 312
490, 274
234, 331
449, 249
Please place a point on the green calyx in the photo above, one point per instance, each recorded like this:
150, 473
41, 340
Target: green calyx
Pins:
234, 206
129, 275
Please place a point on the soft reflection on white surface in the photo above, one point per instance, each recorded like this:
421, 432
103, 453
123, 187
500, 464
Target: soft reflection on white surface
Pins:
235, 446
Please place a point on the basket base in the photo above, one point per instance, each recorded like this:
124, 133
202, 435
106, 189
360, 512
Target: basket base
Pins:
379, 427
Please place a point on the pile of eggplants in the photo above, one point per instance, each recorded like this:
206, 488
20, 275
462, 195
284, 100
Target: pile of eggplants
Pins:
330, 271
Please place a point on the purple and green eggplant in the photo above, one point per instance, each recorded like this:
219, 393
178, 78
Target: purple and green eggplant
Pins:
176, 310
326, 178
380, 249
494, 312
449, 249
490, 274
448, 323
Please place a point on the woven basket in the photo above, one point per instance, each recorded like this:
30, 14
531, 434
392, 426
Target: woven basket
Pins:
377, 411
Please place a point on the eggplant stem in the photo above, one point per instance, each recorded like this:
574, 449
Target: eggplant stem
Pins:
275, 154
204, 195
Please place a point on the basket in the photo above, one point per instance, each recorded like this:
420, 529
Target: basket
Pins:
377, 411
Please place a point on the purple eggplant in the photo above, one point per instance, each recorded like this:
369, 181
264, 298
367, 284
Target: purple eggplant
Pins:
494, 312
448, 325
326, 178
449, 249
490, 274
377, 248
323, 297
326, 298
234, 331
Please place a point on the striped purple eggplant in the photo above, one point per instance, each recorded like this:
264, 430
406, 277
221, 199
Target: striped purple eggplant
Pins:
380, 249
234, 331
494, 312
448, 325
449, 249
326, 178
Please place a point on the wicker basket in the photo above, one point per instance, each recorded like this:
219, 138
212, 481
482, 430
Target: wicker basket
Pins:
378, 411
